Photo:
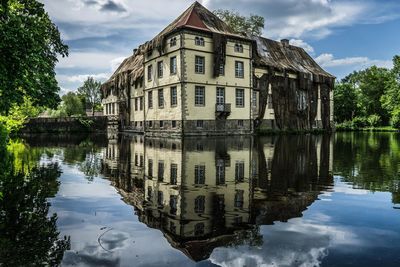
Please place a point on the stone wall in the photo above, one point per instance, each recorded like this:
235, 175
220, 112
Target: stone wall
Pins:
65, 125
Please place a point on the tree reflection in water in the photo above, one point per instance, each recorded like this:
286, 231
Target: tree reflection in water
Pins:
28, 234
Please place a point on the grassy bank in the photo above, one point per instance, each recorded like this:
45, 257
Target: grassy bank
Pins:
366, 129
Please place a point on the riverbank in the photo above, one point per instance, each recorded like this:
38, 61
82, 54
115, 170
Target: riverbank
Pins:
367, 129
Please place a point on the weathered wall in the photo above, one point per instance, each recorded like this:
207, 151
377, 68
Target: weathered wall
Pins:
64, 125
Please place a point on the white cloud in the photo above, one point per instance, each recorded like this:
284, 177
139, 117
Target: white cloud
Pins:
82, 77
302, 44
88, 60
328, 60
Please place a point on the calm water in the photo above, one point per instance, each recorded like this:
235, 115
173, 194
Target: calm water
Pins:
134, 201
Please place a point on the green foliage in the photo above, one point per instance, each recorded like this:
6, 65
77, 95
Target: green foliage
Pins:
18, 115
359, 122
29, 46
90, 90
345, 99
72, 104
25, 222
373, 93
374, 120
253, 24
3, 139
395, 120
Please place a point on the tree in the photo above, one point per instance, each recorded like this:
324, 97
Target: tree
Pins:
29, 46
371, 85
91, 91
345, 99
252, 25
72, 104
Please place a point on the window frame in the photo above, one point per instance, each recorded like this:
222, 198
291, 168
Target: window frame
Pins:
199, 41
150, 72
160, 98
239, 72
150, 99
160, 69
200, 99
173, 96
239, 98
173, 65
199, 66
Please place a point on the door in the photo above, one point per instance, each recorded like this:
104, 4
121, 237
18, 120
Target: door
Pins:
220, 98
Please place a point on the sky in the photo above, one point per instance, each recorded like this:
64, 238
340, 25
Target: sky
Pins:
341, 35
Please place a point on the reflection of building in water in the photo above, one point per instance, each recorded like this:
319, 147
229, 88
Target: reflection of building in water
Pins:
204, 193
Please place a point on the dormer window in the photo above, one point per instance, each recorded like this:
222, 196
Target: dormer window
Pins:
199, 41
238, 48
172, 42
149, 53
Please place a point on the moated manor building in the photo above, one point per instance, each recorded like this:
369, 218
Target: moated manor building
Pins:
199, 77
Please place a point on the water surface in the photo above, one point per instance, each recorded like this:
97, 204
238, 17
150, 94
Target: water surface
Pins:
271, 201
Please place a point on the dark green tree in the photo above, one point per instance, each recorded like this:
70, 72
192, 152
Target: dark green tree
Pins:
91, 91
371, 85
28, 233
345, 99
29, 46
252, 25
72, 104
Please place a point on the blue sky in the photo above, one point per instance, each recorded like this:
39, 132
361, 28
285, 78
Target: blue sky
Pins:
342, 35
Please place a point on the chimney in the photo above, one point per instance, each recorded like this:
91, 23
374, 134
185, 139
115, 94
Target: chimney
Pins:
134, 51
285, 42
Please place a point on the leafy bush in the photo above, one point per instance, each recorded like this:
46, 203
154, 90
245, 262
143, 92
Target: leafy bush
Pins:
395, 120
359, 122
3, 137
374, 120
346, 125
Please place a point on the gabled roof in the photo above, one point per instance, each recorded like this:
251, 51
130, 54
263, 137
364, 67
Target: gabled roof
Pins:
131, 67
196, 17
284, 56
200, 18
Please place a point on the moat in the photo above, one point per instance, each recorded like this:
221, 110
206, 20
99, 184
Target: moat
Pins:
292, 200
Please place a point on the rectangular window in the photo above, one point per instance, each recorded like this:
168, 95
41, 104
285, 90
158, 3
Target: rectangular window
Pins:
239, 98
199, 96
141, 103
173, 124
220, 172
161, 124
239, 171
239, 69
173, 204
160, 98
172, 65
174, 174
199, 204
199, 65
160, 171
160, 67
151, 124
221, 69
136, 104
136, 160
239, 200
199, 123
240, 123
150, 72
150, 168
150, 99
174, 96
254, 99
199, 174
